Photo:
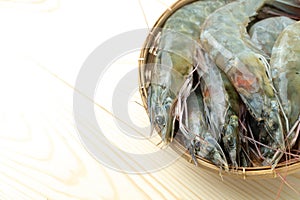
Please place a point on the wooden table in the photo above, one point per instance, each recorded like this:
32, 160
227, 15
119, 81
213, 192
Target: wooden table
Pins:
43, 45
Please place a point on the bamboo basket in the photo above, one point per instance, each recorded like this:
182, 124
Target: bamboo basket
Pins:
147, 56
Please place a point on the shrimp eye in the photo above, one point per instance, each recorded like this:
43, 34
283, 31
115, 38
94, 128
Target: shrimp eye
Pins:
229, 139
275, 126
160, 120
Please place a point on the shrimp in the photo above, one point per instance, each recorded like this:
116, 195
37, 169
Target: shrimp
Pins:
175, 60
285, 68
199, 138
229, 45
265, 32
222, 109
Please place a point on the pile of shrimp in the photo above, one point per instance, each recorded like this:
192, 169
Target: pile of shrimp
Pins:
226, 79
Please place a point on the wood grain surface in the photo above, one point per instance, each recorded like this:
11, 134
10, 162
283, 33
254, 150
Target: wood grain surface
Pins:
41, 153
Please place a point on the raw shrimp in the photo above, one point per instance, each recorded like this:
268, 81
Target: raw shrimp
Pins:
285, 68
175, 60
198, 137
222, 106
229, 45
265, 32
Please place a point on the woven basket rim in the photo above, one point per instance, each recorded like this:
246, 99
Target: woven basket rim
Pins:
288, 167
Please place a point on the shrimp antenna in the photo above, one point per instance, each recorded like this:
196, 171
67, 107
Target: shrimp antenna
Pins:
166, 5
144, 14
294, 139
268, 71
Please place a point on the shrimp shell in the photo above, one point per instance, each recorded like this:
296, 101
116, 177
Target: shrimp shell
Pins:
265, 32
229, 45
199, 138
175, 52
285, 67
